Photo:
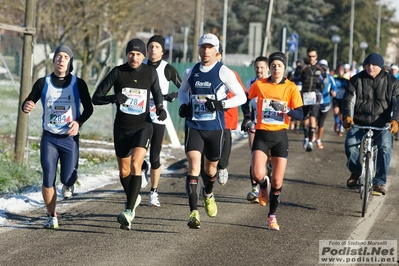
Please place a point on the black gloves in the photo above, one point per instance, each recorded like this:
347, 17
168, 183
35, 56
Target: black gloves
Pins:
213, 105
277, 106
161, 113
119, 98
184, 110
246, 124
170, 97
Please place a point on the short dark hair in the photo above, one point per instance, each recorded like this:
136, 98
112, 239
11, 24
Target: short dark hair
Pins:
262, 58
311, 49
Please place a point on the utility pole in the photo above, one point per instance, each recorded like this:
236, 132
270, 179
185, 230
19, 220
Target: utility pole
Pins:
196, 29
268, 20
377, 44
23, 119
351, 32
226, 4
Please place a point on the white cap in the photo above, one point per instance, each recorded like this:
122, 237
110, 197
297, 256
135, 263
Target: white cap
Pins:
323, 62
209, 38
347, 66
394, 67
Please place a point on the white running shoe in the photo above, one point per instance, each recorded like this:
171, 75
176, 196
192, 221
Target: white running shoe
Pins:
51, 223
154, 201
144, 181
305, 143
144, 173
223, 176
67, 192
138, 200
309, 148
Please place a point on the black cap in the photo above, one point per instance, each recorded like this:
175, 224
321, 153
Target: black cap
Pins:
375, 59
136, 45
159, 39
278, 56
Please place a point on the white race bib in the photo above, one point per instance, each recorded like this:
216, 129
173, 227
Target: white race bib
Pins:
136, 103
199, 110
270, 115
309, 98
60, 115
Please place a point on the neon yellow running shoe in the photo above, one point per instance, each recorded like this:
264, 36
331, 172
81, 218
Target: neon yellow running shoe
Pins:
194, 220
210, 206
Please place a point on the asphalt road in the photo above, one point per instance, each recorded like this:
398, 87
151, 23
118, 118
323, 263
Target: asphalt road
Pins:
316, 205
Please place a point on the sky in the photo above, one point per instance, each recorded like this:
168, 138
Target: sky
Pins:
395, 4
32, 200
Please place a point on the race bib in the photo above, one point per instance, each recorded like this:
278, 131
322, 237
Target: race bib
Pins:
309, 98
153, 110
273, 112
60, 115
136, 103
199, 110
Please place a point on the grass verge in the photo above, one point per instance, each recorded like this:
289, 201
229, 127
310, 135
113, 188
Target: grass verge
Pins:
16, 178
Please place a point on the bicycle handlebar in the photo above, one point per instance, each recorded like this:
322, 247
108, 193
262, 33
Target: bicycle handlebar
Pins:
386, 127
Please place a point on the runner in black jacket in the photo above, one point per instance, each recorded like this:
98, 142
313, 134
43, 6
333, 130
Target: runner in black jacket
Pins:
132, 82
312, 86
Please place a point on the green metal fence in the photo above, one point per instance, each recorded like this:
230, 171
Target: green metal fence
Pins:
245, 73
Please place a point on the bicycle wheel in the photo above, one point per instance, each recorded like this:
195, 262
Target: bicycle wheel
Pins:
366, 188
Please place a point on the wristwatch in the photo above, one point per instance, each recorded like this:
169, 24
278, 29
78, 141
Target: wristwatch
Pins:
223, 104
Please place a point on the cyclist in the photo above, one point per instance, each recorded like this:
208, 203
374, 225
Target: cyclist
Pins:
370, 100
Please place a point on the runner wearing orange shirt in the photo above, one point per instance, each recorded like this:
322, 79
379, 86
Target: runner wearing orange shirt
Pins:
278, 100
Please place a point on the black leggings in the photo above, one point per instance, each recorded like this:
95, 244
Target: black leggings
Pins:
224, 158
156, 145
226, 150
322, 117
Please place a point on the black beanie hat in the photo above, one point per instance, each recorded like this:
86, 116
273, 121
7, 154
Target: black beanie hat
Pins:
374, 59
159, 39
278, 56
65, 49
136, 45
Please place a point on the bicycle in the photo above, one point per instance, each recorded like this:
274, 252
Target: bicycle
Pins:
368, 158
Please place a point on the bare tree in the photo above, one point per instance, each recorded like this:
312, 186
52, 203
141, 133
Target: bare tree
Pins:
88, 27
